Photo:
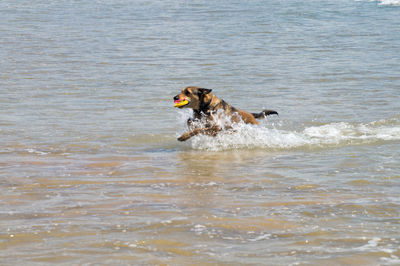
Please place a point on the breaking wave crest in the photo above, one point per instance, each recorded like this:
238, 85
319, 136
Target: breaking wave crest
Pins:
386, 2
389, 2
273, 136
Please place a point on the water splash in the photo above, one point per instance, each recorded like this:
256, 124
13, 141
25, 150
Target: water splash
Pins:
272, 136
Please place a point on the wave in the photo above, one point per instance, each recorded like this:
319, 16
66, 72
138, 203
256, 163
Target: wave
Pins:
274, 137
387, 2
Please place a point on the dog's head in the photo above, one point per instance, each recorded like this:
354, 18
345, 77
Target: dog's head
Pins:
192, 97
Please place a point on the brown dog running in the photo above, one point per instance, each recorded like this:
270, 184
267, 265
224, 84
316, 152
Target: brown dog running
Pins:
207, 108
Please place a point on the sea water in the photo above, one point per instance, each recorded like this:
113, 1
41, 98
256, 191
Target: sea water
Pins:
90, 168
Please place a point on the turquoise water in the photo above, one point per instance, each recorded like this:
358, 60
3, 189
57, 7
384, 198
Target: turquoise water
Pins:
90, 168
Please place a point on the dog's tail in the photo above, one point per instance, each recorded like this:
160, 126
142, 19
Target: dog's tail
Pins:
265, 113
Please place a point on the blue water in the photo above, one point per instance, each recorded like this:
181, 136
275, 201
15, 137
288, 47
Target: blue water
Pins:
90, 168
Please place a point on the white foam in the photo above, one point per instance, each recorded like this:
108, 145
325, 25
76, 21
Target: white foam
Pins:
36, 151
389, 2
272, 136
385, 2
261, 237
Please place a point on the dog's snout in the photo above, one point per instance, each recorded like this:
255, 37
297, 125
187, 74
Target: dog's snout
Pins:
176, 98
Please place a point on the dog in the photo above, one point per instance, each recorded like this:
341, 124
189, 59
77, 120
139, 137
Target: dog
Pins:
208, 108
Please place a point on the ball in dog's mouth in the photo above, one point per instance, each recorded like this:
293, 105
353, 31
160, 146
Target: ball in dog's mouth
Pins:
180, 103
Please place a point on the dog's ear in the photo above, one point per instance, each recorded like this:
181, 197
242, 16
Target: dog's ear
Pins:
203, 91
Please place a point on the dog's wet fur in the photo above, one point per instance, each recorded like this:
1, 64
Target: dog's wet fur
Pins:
206, 107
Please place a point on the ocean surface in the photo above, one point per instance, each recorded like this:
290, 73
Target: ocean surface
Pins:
91, 172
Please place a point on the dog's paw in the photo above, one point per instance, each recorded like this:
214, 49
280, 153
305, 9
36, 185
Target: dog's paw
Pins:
184, 137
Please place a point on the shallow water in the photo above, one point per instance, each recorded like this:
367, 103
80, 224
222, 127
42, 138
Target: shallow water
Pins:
90, 168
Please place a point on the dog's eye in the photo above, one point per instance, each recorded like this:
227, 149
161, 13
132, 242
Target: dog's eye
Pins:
186, 93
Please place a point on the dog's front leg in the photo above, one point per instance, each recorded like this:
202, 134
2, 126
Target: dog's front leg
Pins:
188, 135
211, 131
